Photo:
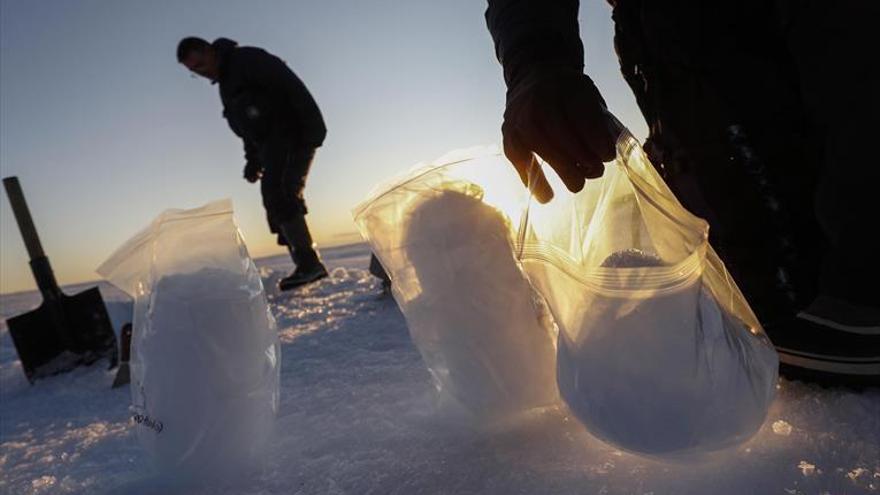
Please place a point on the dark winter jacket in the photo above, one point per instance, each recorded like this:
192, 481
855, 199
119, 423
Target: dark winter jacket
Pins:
530, 32
700, 71
694, 67
263, 98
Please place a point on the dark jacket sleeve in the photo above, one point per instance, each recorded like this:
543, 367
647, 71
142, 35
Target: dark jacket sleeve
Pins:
251, 154
535, 33
270, 72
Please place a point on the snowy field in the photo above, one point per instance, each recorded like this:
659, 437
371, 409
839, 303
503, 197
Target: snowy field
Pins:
359, 415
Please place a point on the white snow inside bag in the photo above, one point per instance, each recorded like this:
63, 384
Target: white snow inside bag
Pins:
205, 357
446, 243
659, 353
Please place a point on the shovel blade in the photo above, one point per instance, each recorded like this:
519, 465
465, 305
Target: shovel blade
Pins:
123, 376
47, 346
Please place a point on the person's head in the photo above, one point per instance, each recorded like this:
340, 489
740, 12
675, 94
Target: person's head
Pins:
199, 56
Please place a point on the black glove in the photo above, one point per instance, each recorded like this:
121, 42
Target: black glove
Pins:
559, 114
252, 171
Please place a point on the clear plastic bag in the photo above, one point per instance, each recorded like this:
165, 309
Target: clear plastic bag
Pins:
659, 352
205, 358
443, 234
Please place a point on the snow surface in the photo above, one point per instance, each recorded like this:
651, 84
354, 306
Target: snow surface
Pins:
359, 414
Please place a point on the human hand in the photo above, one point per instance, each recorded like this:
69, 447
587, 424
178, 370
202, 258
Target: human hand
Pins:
560, 115
252, 171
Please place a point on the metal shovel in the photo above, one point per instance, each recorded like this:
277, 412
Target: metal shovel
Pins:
123, 374
64, 331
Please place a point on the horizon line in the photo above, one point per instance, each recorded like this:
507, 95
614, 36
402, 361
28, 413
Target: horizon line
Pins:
99, 280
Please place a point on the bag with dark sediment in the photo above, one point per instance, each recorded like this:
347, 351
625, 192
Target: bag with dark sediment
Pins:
658, 351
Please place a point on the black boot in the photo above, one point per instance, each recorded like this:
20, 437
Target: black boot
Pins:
378, 271
832, 342
308, 265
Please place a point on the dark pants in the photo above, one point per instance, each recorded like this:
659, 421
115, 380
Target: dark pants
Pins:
789, 199
285, 168
831, 43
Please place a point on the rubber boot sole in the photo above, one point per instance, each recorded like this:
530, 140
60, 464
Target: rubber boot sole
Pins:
829, 370
285, 285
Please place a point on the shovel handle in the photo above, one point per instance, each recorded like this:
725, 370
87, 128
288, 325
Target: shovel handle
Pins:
23, 218
125, 344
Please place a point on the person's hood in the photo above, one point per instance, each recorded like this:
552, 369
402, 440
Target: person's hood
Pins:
223, 47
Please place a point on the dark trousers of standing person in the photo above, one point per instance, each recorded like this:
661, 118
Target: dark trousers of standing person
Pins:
759, 124
285, 168
830, 44
769, 133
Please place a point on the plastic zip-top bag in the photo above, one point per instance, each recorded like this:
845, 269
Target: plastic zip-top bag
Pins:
659, 352
444, 235
205, 357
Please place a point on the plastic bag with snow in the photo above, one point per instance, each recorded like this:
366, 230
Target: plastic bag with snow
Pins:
443, 234
205, 354
659, 352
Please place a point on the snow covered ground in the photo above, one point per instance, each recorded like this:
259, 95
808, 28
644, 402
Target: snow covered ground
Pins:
359, 415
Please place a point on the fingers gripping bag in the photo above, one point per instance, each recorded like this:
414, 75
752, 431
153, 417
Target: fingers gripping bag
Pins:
444, 235
658, 351
205, 353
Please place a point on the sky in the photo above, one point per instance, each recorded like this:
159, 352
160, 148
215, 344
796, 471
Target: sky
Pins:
105, 129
